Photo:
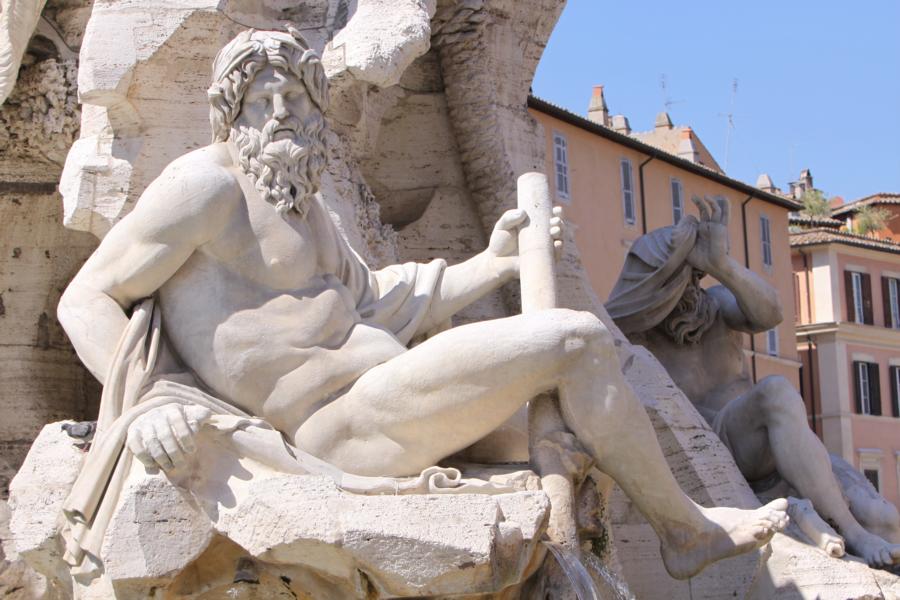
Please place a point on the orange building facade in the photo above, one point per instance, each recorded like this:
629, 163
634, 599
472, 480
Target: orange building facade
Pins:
615, 187
848, 337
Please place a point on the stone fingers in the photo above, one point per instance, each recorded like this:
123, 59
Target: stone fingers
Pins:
725, 210
155, 447
136, 445
511, 219
702, 207
164, 437
557, 231
182, 436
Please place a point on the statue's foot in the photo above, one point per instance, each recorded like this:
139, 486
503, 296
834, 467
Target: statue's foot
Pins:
872, 549
729, 532
816, 529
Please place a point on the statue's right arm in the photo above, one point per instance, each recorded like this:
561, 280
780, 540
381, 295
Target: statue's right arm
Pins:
180, 211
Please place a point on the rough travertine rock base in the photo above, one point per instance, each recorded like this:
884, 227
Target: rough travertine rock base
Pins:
296, 532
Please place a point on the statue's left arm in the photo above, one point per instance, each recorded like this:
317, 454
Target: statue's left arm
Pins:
746, 300
413, 299
466, 282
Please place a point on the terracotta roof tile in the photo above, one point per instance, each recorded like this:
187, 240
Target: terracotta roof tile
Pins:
879, 198
812, 237
814, 221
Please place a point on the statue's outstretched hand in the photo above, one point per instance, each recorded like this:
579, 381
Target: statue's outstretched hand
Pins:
504, 242
164, 436
558, 231
710, 251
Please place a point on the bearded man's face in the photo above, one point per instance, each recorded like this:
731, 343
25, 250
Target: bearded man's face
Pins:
279, 137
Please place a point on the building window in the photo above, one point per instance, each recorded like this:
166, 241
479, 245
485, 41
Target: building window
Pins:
895, 390
890, 295
627, 191
561, 160
870, 465
866, 388
872, 476
677, 201
765, 234
858, 288
772, 342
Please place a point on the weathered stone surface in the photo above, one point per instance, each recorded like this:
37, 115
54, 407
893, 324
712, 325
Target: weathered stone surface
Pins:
418, 545
39, 122
407, 546
36, 498
380, 41
41, 379
18, 581
18, 18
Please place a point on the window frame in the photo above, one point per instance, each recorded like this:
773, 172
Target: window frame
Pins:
858, 287
859, 311
870, 460
877, 483
561, 167
627, 191
894, 373
867, 388
765, 238
894, 302
677, 207
772, 342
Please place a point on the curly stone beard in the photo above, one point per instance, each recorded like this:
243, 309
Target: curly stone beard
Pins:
286, 172
694, 314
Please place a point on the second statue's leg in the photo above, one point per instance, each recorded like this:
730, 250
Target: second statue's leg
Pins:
790, 447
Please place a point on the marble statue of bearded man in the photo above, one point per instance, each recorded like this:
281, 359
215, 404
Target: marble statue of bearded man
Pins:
270, 313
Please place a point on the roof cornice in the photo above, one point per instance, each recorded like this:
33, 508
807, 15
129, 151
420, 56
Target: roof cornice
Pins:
628, 141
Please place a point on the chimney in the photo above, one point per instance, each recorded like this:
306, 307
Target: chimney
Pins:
686, 148
805, 183
663, 121
806, 179
597, 110
765, 183
621, 125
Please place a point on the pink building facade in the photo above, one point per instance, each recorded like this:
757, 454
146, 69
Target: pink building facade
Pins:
848, 338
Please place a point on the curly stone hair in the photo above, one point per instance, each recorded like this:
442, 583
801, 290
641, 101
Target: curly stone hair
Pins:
238, 63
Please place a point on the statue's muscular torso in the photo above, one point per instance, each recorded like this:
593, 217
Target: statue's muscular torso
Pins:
711, 373
258, 313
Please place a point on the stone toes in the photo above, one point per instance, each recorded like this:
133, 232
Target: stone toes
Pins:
834, 549
761, 531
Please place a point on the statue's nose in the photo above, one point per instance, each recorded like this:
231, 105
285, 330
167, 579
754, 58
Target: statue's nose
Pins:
279, 109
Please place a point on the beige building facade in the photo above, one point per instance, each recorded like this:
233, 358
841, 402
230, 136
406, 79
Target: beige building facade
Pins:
616, 185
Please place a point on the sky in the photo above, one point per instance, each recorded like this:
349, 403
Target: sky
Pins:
818, 83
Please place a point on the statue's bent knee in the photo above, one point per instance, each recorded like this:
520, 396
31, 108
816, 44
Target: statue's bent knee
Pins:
778, 397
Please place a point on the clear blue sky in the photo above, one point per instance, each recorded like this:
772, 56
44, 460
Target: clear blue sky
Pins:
818, 82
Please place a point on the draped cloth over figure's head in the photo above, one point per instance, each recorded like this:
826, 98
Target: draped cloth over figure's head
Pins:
654, 277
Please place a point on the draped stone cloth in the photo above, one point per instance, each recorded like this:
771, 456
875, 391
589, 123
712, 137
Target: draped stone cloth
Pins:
653, 278
144, 375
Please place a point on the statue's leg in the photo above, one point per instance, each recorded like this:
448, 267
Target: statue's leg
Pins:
454, 388
765, 428
873, 512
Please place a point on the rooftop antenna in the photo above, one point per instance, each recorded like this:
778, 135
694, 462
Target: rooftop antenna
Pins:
730, 126
664, 88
